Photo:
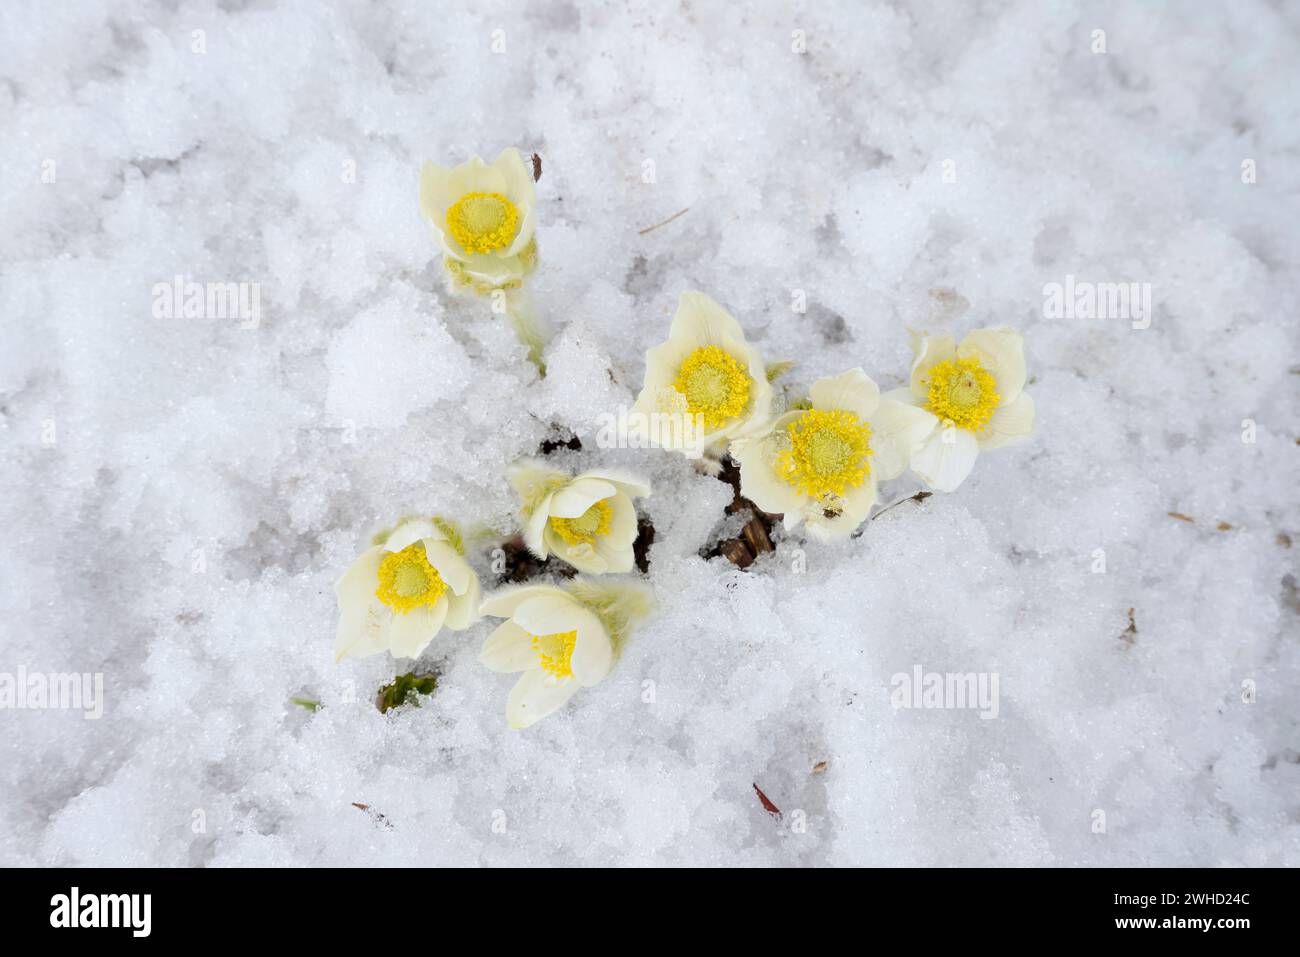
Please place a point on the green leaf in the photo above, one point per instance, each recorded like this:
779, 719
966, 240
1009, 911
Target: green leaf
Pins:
394, 695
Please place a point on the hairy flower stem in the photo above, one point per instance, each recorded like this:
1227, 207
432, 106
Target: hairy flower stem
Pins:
522, 313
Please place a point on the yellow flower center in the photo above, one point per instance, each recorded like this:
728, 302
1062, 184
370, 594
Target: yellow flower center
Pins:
584, 529
963, 392
715, 385
407, 581
483, 222
829, 452
555, 652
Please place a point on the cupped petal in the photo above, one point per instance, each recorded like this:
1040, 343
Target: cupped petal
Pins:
364, 634
593, 652
614, 557
463, 610
945, 458
534, 531
930, 351
854, 507
508, 649
898, 429
411, 531
520, 187
503, 602
1001, 351
411, 633
622, 522
581, 555
435, 194
579, 495
631, 485
853, 391
535, 695
451, 567
1009, 423
702, 321
356, 589
759, 481
547, 614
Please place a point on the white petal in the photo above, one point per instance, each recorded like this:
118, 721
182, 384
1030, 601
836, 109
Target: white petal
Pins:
1002, 352
411, 531
579, 495
631, 485
622, 522
581, 555
411, 633
502, 603
852, 391
593, 653
452, 569
702, 321
944, 465
462, 610
1009, 423
518, 177
535, 695
535, 528
508, 649
363, 635
759, 481
547, 614
615, 557
931, 350
898, 428
856, 506
435, 194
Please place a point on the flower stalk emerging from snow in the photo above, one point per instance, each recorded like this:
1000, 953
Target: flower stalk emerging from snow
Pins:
973, 395
484, 216
558, 640
587, 520
705, 373
818, 466
400, 592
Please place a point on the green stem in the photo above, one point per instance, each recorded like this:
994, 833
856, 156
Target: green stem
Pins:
522, 313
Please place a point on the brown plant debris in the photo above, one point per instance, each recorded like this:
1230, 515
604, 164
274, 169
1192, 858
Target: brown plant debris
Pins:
755, 536
1129, 634
820, 767
768, 806
374, 815
1182, 518
677, 215
537, 167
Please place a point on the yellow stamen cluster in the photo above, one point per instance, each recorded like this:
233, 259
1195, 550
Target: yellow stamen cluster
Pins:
715, 385
964, 392
555, 652
586, 527
829, 452
483, 222
407, 581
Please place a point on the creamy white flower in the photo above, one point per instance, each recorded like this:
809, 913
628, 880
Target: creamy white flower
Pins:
819, 466
587, 520
484, 217
556, 641
974, 395
706, 380
398, 594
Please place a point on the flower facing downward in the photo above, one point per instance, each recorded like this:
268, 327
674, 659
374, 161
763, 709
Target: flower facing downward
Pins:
399, 593
484, 217
705, 384
820, 465
561, 639
587, 520
974, 396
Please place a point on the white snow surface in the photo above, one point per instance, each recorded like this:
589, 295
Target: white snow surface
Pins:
179, 495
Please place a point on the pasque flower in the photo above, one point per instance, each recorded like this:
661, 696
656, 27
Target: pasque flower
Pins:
974, 396
485, 220
558, 639
818, 466
706, 379
587, 520
401, 591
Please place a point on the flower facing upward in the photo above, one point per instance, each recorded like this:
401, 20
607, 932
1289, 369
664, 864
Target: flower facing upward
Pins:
706, 373
974, 396
484, 217
819, 466
399, 593
561, 639
587, 520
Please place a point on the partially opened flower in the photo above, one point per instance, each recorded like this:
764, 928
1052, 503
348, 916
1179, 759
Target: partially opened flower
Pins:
483, 215
705, 384
485, 220
400, 592
974, 394
820, 465
587, 520
561, 639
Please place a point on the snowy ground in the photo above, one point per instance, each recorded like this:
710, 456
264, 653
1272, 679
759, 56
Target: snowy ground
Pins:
179, 495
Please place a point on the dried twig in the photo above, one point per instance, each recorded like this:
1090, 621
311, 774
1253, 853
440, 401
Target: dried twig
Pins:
642, 232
